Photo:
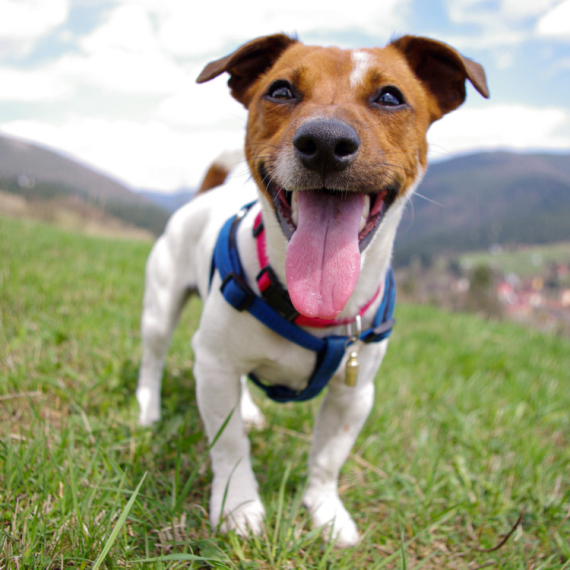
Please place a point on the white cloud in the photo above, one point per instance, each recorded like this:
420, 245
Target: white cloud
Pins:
182, 30
521, 9
502, 13
24, 21
31, 18
507, 24
127, 27
121, 71
122, 54
200, 106
556, 23
490, 38
515, 127
33, 85
145, 155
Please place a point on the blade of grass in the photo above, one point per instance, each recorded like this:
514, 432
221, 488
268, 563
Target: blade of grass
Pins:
194, 474
225, 497
181, 558
73, 483
119, 525
443, 516
280, 506
403, 550
176, 483
426, 560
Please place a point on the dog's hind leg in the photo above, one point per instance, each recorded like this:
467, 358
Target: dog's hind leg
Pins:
165, 296
250, 413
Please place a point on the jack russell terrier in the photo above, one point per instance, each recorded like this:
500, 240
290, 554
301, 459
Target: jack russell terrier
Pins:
297, 287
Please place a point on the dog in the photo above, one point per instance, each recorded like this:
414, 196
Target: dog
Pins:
336, 145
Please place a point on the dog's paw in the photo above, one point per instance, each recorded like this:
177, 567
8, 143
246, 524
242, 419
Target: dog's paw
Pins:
246, 519
149, 406
250, 413
252, 416
328, 512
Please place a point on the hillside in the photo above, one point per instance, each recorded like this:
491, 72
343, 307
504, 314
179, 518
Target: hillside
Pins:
40, 174
169, 201
474, 201
463, 204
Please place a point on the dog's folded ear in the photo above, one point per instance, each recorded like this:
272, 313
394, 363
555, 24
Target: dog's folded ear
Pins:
442, 70
247, 63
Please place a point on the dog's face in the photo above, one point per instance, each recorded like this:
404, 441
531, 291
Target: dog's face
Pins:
334, 138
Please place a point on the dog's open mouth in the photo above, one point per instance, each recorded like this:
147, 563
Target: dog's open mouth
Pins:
374, 208
327, 230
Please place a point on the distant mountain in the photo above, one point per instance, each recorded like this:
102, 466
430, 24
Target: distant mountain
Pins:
38, 173
169, 201
463, 204
474, 201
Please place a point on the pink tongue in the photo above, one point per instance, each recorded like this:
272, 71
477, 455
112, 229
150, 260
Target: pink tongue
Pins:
323, 258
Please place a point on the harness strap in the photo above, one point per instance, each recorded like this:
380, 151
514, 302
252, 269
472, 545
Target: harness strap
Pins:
330, 350
328, 360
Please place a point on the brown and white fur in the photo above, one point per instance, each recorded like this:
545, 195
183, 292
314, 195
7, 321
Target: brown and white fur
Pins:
323, 124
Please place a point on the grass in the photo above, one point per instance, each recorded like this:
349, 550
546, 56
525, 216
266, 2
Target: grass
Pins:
470, 429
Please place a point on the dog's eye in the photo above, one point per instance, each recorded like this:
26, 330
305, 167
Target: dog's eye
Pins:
281, 90
390, 97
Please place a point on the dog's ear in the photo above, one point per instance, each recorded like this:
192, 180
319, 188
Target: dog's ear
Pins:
247, 63
443, 70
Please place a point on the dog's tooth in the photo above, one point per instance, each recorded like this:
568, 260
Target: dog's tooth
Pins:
294, 208
365, 213
366, 209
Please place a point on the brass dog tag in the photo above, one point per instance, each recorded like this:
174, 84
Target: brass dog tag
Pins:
352, 369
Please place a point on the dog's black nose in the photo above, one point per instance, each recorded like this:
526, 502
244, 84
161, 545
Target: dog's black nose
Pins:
326, 145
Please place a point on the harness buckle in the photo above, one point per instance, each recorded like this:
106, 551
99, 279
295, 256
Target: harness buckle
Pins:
237, 292
274, 294
353, 337
380, 332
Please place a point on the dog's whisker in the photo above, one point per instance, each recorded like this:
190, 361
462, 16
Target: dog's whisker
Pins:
428, 199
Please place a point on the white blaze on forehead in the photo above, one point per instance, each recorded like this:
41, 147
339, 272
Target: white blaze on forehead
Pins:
361, 61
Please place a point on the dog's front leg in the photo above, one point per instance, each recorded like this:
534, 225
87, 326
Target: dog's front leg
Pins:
341, 417
234, 499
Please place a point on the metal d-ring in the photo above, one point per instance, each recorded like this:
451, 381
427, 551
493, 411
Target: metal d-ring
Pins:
352, 338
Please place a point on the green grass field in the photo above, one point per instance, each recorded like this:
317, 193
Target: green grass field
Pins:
470, 431
524, 262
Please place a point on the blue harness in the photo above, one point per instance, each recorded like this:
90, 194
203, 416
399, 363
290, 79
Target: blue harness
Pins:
330, 350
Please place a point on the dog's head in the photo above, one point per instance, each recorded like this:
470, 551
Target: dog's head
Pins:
334, 138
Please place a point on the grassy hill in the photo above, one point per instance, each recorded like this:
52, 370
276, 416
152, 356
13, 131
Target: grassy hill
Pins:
469, 432
478, 200
40, 174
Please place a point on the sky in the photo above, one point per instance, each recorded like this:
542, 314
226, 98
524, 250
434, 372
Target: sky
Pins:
112, 82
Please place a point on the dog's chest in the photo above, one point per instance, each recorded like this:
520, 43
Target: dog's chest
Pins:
292, 367
288, 365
